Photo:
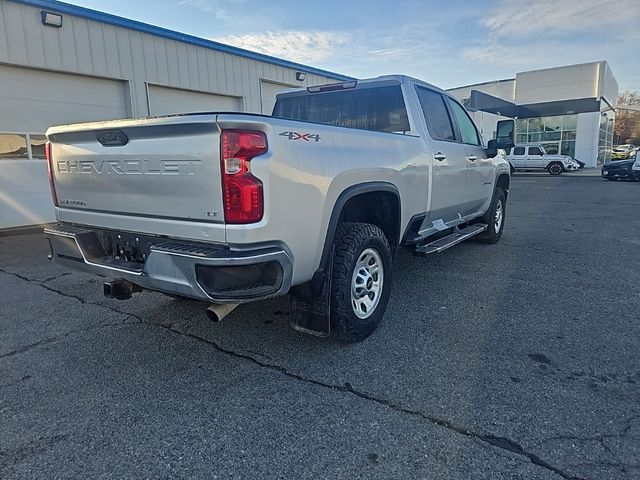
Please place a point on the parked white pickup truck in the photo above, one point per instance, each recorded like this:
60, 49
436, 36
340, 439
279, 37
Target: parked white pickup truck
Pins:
535, 157
313, 201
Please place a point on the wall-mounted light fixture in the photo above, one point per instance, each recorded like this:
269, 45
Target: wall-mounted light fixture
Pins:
51, 19
300, 76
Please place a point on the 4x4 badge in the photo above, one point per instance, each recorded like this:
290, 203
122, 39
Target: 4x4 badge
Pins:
307, 137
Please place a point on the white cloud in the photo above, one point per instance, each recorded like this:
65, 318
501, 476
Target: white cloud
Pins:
295, 45
551, 16
208, 6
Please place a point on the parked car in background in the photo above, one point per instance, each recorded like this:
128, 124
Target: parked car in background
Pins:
635, 169
534, 157
622, 152
620, 170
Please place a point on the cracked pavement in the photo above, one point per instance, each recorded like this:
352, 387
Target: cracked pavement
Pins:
518, 360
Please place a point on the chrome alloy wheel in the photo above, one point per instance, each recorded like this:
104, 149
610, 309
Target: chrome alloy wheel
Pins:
366, 283
498, 217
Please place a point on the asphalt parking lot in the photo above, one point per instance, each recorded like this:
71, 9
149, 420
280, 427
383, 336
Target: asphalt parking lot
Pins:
515, 360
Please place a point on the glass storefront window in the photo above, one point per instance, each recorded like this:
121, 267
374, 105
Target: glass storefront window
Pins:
568, 148
37, 146
535, 124
605, 137
13, 146
569, 122
557, 133
548, 136
552, 124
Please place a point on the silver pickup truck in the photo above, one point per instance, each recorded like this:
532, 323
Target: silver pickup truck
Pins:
313, 201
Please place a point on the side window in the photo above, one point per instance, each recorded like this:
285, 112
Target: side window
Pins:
467, 128
535, 151
518, 151
436, 114
37, 146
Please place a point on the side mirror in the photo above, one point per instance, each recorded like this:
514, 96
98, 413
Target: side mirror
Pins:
504, 134
492, 148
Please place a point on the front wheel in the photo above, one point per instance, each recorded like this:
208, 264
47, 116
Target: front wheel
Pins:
360, 282
494, 218
555, 168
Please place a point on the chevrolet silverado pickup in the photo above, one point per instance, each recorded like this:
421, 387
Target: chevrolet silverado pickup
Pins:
312, 201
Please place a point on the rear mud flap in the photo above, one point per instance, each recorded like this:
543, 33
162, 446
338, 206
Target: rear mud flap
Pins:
311, 314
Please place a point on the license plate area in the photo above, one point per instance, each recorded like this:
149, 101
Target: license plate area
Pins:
126, 247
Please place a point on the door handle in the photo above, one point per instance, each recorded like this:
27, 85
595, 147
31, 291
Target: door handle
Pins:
473, 158
439, 156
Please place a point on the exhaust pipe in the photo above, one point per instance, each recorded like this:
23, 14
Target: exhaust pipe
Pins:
217, 311
120, 289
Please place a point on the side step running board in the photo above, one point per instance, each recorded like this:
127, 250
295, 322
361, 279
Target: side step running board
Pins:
451, 240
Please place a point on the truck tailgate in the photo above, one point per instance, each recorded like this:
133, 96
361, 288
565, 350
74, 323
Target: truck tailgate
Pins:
160, 168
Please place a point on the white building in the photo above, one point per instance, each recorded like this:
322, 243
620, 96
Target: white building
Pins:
61, 63
568, 109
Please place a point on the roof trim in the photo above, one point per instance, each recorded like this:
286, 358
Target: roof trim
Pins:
480, 84
95, 15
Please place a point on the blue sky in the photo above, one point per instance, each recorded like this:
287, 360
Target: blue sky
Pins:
447, 43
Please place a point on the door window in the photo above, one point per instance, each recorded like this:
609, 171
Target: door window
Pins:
535, 151
436, 114
37, 146
468, 130
518, 151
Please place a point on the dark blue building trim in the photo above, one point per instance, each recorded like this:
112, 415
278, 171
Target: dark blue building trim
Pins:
65, 8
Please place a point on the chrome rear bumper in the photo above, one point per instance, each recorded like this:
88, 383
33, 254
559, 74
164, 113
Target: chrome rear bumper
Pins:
206, 272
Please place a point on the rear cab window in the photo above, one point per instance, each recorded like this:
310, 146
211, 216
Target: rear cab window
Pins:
376, 108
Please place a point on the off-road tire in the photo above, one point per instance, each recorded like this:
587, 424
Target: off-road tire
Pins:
491, 234
555, 168
350, 241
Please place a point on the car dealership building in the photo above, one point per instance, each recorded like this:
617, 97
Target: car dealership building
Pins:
569, 109
61, 63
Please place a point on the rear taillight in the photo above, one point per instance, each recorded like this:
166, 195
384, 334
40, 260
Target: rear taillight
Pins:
242, 192
47, 153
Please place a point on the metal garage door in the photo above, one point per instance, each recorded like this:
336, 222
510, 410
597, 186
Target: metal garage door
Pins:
268, 92
166, 100
30, 102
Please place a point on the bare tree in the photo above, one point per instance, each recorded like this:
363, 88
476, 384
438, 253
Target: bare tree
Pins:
627, 124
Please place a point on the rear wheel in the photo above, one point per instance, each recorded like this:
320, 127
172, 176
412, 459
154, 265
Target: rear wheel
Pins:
494, 218
555, 168
361, 280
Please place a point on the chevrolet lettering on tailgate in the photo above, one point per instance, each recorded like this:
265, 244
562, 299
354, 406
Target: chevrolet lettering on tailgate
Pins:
129, 167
